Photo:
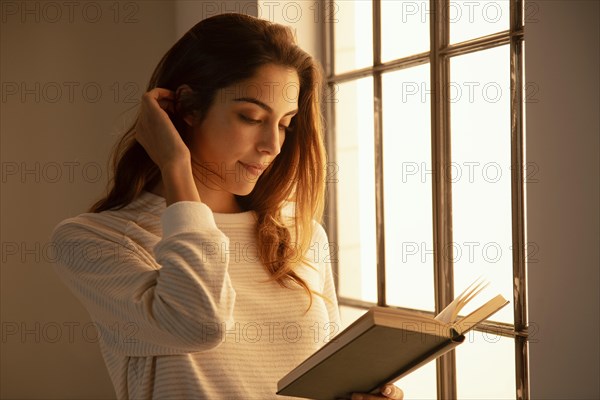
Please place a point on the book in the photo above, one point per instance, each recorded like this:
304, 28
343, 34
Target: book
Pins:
382, 346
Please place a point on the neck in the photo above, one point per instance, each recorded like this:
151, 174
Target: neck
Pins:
218, 201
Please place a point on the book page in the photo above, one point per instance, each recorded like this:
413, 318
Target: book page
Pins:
482, 313
449, 314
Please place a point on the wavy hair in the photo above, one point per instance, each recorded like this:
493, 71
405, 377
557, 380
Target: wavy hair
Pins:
218, 52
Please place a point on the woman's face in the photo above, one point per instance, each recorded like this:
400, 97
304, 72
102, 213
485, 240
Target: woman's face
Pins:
244, 130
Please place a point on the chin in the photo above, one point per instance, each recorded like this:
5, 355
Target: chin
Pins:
244, 190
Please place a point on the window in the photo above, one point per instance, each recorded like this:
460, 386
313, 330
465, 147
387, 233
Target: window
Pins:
425, 131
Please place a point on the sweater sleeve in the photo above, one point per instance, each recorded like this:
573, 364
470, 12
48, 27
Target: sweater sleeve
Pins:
171, 304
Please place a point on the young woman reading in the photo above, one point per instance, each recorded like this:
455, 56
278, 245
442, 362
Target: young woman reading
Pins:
204, 268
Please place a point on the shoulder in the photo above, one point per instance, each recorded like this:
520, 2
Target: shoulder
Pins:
319, 236
89, 229
322, 249
110, 224
97, 242
318, 232
90, 222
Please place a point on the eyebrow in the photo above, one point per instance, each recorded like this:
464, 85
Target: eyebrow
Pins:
261, 104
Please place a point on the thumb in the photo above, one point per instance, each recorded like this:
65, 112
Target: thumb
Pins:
392, 392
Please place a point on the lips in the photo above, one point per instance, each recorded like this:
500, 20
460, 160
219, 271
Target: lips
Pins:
253, 168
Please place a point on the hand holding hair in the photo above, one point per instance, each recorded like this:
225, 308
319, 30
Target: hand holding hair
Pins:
159, 137
155, 131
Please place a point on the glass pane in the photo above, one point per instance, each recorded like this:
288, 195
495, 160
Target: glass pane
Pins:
353, 34
481, 173
472, 19
402, 19
355, 190
420, 384
407, 183
485, 367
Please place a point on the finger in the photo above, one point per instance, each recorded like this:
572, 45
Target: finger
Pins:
392, 392
365, 396
167, 104
387, 392
162, 93
159, 101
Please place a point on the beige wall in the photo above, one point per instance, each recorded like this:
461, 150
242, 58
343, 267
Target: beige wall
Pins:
67, 74
190, 12
563, 206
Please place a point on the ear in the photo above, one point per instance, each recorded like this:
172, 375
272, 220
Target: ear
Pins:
182, 94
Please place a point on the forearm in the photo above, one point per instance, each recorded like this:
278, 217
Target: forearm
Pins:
178, 182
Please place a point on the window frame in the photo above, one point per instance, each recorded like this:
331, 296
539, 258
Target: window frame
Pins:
439, 55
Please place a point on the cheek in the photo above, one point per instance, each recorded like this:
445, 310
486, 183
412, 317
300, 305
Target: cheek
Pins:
223, 142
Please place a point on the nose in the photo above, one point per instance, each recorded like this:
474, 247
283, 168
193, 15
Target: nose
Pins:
271, 140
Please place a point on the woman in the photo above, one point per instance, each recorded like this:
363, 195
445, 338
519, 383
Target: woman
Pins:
204, 268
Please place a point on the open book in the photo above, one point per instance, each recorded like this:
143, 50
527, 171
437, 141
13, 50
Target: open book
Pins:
382, 346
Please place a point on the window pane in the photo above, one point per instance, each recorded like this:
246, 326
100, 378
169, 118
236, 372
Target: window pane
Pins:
481, 173
485, 367
355, 190
471, 19
420, 384
404, 28
353, 34
407, 183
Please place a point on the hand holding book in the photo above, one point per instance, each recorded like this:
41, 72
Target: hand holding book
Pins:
387, 392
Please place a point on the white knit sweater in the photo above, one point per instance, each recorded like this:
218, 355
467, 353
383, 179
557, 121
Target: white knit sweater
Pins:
184, 308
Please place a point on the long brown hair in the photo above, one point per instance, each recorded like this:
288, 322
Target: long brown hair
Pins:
218, 52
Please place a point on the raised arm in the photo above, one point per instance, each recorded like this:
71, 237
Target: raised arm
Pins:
173, 303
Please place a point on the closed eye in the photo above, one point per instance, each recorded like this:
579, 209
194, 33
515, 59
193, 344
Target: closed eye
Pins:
257, 121
250, 120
